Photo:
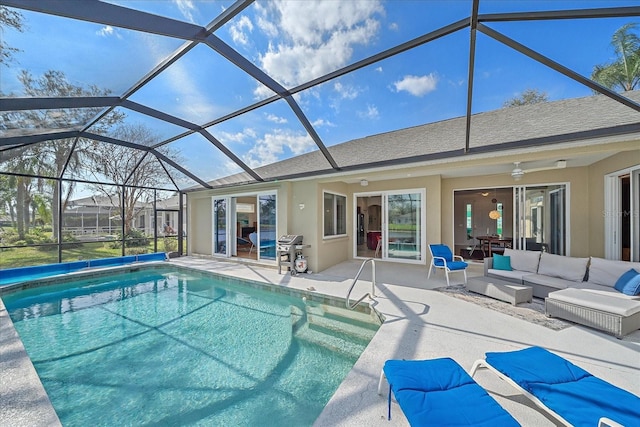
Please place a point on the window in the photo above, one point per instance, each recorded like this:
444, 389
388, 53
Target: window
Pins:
335, 215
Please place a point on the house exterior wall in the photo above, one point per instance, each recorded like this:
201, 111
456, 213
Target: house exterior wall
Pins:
597, 207
300, 206
200, 226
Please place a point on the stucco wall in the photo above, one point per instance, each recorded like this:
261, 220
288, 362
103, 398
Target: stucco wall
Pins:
331, 250
597, 172
200, 227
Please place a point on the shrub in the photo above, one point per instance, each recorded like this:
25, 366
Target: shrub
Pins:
135, 251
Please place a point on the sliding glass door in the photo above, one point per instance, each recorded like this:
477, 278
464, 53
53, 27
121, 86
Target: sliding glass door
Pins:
404, 226
220, 228
390, 225
621, 219
244, 226
541, 218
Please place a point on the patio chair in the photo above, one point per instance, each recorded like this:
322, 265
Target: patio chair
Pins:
253, 238
442, 257
439, 392
565, 391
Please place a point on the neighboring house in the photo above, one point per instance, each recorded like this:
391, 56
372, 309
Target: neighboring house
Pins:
91, 216
579, 194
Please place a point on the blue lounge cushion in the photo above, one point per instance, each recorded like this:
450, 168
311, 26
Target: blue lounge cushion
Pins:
502, 262
430, 392
568, 390
629, 283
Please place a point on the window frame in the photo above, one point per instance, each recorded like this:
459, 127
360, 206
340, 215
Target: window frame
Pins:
336, 220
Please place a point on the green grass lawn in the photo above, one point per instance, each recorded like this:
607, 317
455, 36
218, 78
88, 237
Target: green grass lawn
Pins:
22, 257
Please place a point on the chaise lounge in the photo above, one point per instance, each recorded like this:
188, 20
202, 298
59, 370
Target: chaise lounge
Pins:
567, 392
429, 392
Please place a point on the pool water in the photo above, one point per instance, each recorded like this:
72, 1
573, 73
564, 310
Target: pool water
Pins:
160, 347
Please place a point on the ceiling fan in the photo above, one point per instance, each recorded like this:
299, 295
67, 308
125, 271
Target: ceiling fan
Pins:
517, 173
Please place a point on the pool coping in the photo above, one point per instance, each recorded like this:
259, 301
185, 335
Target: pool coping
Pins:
24, 400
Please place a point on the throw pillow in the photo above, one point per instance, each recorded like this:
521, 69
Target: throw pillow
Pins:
629, 283
502, 262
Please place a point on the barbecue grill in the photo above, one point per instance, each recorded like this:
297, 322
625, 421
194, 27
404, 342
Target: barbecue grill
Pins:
286, 251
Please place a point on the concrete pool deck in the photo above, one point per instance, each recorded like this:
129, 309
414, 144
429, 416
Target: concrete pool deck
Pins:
420, 324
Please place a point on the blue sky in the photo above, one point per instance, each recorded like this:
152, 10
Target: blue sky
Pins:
295, 41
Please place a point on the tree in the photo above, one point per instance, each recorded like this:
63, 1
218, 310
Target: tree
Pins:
124, 165
53, 156
13, 19
624, 72
528, 97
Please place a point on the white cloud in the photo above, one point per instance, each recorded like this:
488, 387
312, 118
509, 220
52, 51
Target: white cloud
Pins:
238, 137
272, 146
108, 31
239, 28
417, 85
276, 119
394, 26
186, 8
323, 123
370, 113
346, 92
378, 69
314, 37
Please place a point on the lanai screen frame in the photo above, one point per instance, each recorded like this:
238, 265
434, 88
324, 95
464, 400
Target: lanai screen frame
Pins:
193, 35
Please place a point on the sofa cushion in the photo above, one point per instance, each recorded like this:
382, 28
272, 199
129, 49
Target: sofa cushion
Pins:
604, 290
514, 276
564, 267
502, 262
549, 281
523, 260
598, 302
606, 272
629, 283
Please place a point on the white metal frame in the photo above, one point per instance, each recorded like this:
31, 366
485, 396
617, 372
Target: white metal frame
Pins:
231, 223
334, 193
612, 212
518, 206
384, 225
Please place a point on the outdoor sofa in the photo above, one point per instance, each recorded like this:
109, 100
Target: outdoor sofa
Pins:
582, 290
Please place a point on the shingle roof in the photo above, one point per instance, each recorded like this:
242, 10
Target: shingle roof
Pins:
524, 126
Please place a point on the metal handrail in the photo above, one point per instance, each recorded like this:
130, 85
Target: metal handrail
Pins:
373, 283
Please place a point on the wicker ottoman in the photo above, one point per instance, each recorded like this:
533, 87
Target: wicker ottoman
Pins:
616, 316
500, 289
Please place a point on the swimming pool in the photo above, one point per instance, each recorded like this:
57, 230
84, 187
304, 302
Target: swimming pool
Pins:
177, 347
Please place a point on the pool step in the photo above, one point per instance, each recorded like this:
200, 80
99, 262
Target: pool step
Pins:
327, 329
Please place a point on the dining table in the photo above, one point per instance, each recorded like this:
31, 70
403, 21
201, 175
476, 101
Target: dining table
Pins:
489, 242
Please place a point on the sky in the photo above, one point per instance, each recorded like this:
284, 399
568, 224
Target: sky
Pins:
296, 41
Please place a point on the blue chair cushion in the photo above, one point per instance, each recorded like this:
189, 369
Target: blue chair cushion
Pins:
570, 391
502, 262
629, 283
430, 392
457, 265
441, 251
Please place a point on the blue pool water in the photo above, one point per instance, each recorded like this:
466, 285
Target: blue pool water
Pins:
176, 347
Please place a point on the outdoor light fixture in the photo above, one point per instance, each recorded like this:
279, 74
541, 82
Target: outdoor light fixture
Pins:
364, 182
517, 173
